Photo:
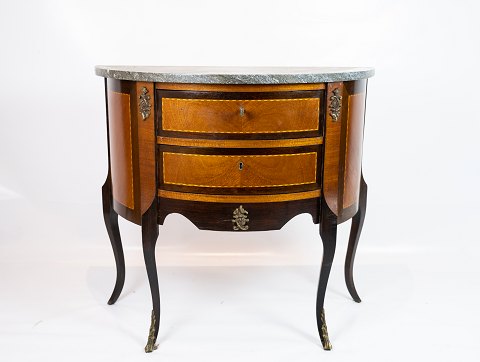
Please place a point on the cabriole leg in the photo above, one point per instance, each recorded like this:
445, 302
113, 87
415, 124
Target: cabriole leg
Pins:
328, 233
111, 223
355, 231
149, 240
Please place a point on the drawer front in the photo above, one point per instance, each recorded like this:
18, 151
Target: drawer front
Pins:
287, 113
239, 171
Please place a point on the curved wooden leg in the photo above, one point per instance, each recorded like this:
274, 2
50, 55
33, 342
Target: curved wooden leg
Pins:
355, 231
328, 233
149, 239
111, 223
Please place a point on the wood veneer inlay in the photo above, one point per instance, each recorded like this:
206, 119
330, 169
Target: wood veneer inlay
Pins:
189, 142
146, 145
120, 125
239, 198
353, 149
332, 152
202, 170
240, 116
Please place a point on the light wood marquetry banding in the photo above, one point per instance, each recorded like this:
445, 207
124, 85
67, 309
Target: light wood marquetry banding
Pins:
332, 158
225, 115
239, 87
353, 149
146, 146
239, 198
121, 161
188, 142
223, 170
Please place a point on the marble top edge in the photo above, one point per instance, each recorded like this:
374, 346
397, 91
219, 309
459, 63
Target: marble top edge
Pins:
234, 75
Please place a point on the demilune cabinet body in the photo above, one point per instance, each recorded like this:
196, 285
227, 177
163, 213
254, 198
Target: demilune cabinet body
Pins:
234, 149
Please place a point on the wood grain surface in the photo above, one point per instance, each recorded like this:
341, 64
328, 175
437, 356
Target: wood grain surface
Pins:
332, 157
239, 198
146, 145
239, 170
188, 142
353, 149
218, 216
240, 116
343, 149
121, 158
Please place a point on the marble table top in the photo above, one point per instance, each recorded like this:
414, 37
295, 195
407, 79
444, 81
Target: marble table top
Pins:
233, 75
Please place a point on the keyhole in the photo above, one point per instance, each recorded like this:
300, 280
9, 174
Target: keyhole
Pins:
240, 165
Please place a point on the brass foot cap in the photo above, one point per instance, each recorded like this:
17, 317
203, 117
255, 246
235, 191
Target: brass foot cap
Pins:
150, 348
327, 346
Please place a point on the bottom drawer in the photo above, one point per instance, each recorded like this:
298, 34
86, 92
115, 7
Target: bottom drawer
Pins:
239, 170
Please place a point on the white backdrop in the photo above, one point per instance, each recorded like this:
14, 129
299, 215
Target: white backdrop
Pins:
421, 154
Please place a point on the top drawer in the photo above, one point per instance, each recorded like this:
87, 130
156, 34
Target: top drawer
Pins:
240, 113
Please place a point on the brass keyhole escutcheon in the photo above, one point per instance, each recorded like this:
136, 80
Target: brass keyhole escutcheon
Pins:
240, 165
242, 111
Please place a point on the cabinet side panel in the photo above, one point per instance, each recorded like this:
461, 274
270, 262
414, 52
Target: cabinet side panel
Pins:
146, 142
332, 141
353, 150
354, 96
121, 159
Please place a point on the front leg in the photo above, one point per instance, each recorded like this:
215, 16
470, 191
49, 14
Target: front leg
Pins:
355, 231
149, 240
328, 233
111, 223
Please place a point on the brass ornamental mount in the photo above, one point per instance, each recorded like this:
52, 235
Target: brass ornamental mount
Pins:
335, 104
144, 105
240, 219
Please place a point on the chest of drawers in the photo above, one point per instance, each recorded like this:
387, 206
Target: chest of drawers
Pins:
234, 150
